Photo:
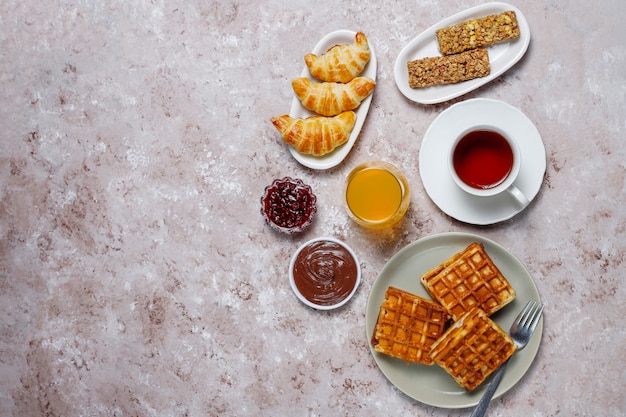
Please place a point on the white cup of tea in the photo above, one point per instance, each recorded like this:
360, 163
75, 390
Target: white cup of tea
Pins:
485, 161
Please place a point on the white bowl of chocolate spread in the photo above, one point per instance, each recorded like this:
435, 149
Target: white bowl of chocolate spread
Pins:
324, 273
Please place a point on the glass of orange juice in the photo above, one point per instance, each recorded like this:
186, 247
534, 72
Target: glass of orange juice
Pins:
377, 195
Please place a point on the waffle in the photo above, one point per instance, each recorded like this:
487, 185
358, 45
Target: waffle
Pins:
472, 348
469, 279
407, 326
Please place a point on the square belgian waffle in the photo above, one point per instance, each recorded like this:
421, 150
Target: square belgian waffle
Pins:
407, 326
472, 348
468, 280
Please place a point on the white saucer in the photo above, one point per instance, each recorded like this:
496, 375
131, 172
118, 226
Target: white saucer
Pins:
433, 160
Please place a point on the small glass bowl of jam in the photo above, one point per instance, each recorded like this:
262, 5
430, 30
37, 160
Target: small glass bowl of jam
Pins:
324, 273
288, 205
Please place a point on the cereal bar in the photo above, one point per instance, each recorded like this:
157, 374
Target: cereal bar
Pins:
478, 33
450, 69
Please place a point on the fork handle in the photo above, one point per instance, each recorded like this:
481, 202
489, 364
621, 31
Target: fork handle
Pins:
481, 408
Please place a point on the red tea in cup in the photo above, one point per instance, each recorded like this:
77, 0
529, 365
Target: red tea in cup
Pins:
483, 159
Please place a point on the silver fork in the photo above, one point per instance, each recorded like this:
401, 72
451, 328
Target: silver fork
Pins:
521, 331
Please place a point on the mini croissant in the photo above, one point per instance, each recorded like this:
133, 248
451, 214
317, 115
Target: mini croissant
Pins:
341, 63
316, 135
330, 99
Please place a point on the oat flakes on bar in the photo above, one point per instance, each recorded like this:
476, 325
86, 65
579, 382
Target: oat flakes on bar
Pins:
478, 33
449, 69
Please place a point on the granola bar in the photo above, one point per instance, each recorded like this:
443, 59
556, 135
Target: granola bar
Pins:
478, 33
449, 69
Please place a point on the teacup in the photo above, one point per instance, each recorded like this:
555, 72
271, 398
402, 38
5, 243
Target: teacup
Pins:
485, 161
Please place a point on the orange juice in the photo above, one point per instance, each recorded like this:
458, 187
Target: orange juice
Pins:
376, 195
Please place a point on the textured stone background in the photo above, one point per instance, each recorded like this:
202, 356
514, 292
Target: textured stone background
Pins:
137, 276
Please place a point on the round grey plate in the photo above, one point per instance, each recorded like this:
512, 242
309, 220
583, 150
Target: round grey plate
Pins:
431, 384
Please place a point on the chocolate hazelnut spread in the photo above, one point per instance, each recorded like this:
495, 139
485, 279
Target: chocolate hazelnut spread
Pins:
325, 272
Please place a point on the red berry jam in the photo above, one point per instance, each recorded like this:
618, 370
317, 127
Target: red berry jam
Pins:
288, 205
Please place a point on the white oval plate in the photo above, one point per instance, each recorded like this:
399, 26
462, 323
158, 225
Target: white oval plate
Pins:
433, 165
431, 384
502, 56
335, 157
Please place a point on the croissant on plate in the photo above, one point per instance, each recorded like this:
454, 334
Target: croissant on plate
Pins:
330, 99
341, 63
316, 135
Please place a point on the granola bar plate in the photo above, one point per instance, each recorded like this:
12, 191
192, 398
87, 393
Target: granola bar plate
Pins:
502, 56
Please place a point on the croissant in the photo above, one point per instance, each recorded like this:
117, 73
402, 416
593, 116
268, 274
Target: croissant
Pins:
330, 99
316, 135
341, 63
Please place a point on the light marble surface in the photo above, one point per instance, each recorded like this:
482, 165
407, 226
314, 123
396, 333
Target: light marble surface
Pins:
137, 276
